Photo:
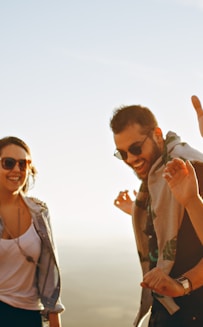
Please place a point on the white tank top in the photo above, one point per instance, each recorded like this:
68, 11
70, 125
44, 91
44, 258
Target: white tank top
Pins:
17, 275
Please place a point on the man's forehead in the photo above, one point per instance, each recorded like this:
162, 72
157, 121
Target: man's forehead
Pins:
129, 135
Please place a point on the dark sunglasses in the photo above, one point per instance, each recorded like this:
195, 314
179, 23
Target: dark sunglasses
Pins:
134, 149
9, 163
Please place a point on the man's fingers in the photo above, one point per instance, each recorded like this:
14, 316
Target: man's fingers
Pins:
189, 166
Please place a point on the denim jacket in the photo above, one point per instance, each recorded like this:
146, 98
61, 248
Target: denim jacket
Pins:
48, 274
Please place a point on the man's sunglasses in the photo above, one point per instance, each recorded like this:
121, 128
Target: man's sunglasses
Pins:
134, 149
9, 163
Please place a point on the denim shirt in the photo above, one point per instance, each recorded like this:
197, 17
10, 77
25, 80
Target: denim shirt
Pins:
48, 274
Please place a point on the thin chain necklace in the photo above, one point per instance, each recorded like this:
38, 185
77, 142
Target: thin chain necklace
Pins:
29, 258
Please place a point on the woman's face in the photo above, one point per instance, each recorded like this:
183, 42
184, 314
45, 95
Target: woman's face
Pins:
13, 174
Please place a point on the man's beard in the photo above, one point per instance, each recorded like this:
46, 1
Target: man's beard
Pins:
156, 153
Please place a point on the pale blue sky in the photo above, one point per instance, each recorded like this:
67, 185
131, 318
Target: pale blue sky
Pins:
65, 65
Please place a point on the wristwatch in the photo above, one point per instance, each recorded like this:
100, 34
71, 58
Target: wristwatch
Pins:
186, 283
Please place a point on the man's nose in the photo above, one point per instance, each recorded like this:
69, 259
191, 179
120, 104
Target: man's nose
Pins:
130, 158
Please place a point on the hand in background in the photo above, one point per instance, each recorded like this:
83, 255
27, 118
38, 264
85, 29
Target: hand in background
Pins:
197, 105
198, 108
124, 202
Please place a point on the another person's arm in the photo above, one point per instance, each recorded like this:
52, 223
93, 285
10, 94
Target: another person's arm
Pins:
198, 108
124, 202
197, 105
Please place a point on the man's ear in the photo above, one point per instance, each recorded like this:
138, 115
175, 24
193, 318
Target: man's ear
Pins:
158, 135
158, 132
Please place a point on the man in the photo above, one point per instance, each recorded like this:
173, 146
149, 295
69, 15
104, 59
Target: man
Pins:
169, 249
123, 200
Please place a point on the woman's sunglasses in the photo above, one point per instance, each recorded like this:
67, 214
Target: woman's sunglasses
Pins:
134, 149
9, 163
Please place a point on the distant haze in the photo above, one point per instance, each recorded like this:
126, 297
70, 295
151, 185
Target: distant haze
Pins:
100, 285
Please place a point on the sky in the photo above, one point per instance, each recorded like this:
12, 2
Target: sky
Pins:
65, 65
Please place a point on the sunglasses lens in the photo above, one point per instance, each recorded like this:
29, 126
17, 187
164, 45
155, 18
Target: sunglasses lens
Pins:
135, 149
8, 163
22, 164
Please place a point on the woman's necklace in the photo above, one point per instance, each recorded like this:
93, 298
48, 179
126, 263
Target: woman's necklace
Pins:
29, 258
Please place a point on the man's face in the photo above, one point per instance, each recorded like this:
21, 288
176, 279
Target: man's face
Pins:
151, 149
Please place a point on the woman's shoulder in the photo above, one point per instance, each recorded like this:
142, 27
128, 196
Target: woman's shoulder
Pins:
33, 201
38, 201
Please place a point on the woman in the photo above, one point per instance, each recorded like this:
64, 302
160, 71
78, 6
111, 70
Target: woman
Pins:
29, 274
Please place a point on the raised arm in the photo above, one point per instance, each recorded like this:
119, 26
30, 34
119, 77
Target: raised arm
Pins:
182, 180
197, 105
199, 111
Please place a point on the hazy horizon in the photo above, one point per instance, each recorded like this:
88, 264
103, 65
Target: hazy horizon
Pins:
100, 285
